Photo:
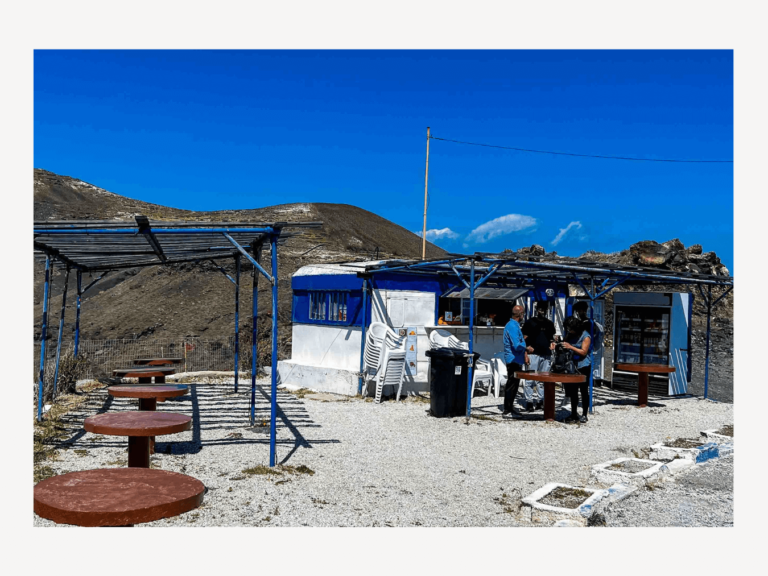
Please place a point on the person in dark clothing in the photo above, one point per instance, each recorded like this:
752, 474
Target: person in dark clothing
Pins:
539, 333
514, 356
577, 340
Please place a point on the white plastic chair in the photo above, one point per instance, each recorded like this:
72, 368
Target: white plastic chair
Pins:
482, 371
378, 339
391, 373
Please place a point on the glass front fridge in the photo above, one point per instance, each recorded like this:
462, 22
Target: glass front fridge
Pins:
642, 335
653, 328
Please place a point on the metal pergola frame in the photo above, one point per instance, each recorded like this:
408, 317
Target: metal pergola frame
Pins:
104, 246
512, 270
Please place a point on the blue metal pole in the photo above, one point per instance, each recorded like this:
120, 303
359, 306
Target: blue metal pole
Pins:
471, 339
43, 334
237, 319
363, 326
273, 411
61, 330
254, 350
706, 361
77, 313
591, 345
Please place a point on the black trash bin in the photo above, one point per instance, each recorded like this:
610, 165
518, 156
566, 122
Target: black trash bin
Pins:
448, 381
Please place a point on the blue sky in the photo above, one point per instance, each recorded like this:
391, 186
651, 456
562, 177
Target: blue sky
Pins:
210, 130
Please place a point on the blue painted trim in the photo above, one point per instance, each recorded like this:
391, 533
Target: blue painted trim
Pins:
301, 301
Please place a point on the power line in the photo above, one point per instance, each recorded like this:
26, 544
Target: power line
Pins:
584, 155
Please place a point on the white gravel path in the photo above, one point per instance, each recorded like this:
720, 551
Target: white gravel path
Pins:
385, 465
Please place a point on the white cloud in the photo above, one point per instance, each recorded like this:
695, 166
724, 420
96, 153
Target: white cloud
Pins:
563, 231
441, 234
500, 226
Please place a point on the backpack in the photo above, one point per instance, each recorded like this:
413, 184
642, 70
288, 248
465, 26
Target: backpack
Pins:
562, 361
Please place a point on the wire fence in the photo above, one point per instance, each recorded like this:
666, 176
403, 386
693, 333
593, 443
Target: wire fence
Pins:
106, 355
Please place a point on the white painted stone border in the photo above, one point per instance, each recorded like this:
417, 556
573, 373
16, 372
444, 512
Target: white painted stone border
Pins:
713, 435
605, 474
707, 451
546, 514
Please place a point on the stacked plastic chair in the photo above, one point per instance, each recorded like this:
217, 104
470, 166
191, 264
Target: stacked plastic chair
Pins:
391, 372
483, 371
381, 359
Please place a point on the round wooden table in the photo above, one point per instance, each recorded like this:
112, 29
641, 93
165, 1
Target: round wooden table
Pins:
549, 379
643, 370
116, 496
139, 427
146, 373
156, 361
147, 395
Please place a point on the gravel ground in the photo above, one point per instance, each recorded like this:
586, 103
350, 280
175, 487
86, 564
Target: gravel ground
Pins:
383, 465
702, 496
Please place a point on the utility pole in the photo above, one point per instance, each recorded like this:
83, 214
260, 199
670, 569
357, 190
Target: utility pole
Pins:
424, 230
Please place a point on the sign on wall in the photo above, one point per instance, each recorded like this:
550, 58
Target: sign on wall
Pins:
411, 351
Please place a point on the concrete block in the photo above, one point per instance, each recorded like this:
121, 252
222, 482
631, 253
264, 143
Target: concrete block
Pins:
547, 514
603, 473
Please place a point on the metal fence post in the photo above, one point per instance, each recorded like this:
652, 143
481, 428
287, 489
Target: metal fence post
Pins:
42, 338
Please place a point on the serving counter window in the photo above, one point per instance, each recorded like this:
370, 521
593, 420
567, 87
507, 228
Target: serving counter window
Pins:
493, 306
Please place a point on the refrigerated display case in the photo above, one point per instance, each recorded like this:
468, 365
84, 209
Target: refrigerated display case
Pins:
653, 328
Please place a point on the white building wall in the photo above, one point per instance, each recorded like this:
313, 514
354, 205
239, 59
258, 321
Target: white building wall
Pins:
327, 346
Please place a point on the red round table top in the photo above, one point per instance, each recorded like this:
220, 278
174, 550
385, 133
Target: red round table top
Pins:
138, 423
651, 368
116, 496
144, 372
552, 377
147, 391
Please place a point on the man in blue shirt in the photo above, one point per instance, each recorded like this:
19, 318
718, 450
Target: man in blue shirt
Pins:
515, 357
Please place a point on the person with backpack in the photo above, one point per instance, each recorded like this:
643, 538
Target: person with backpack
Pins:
539, 332
578, 341
581, 311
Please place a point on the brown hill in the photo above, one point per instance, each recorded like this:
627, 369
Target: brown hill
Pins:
196, 299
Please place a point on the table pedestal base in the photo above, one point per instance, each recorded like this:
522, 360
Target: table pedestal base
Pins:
149, 404
642, 389
549, 401
138, 451
144, 380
